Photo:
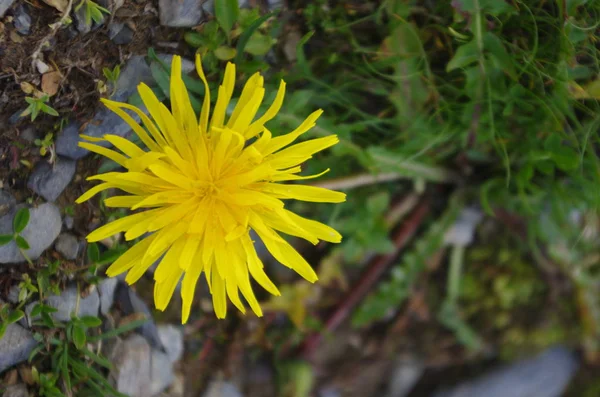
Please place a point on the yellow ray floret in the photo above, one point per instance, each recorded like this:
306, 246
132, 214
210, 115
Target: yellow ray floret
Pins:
198, 186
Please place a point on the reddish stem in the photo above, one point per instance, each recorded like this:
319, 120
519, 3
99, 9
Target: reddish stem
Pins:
369, 277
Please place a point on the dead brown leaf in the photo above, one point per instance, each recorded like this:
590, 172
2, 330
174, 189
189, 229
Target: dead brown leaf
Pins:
51, 82
60, 5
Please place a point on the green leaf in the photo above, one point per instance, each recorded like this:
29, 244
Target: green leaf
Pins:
225, 53
21, 219
90, 321
259, 44
300, 56
22, 243
227, 12
247, 34
5, 239
79, 336
15, 316
3, 327
37, 309
565, 158
499, 54
195, 39
465, 55
93, 253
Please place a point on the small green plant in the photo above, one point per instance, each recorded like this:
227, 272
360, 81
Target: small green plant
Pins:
37, 105
46, 145
69, 355
20, 221
92, 11
8, 316
112, 76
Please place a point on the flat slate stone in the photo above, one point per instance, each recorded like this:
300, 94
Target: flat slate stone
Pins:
49, 181
15, 346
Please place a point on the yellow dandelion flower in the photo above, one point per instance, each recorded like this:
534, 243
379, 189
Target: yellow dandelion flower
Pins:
201, 186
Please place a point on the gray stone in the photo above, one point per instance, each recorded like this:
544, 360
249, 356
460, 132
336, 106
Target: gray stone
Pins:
66, 304
7, 202
5, 5
104, 121
18, 390
172, 340
405, 375
132, 367
120, 33
161, 372
15, 346
546, 375
29, 133
22, 20
67, 245
49, 181
180, 13
131, 303
106, 289
463, 230
41, 231
218, 388
68, 222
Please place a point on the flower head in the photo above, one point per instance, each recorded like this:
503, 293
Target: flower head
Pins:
199, 187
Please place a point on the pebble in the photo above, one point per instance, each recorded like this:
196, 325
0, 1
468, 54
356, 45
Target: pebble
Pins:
5, 5
161, 371
131, 303
69, 222
49, 181
187, 66
18, 390
546, 375
105, 121
132, 366
22, 20
462, 232
7, 202
66, 303
106, 289
41, 231
218, 388
172, 340
404, 376
120, 33
67, 245
29, 133
15, 346
180, 13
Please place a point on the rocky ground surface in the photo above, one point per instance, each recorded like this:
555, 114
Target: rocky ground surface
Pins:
162, 358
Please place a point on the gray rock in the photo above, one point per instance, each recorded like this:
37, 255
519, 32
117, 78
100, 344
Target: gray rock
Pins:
41, 231
106, 122
69, 222
29, 133
22, 20
120, 33
161, 372
463, 230
66, 305
218, 388
15, 346
13, 294
49, 181
67, 245
7, 202
172, 339
106, 289
274, 4
5, 5
180, 13
132, 367
546, 375
18, 390
406, 373
131, 303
